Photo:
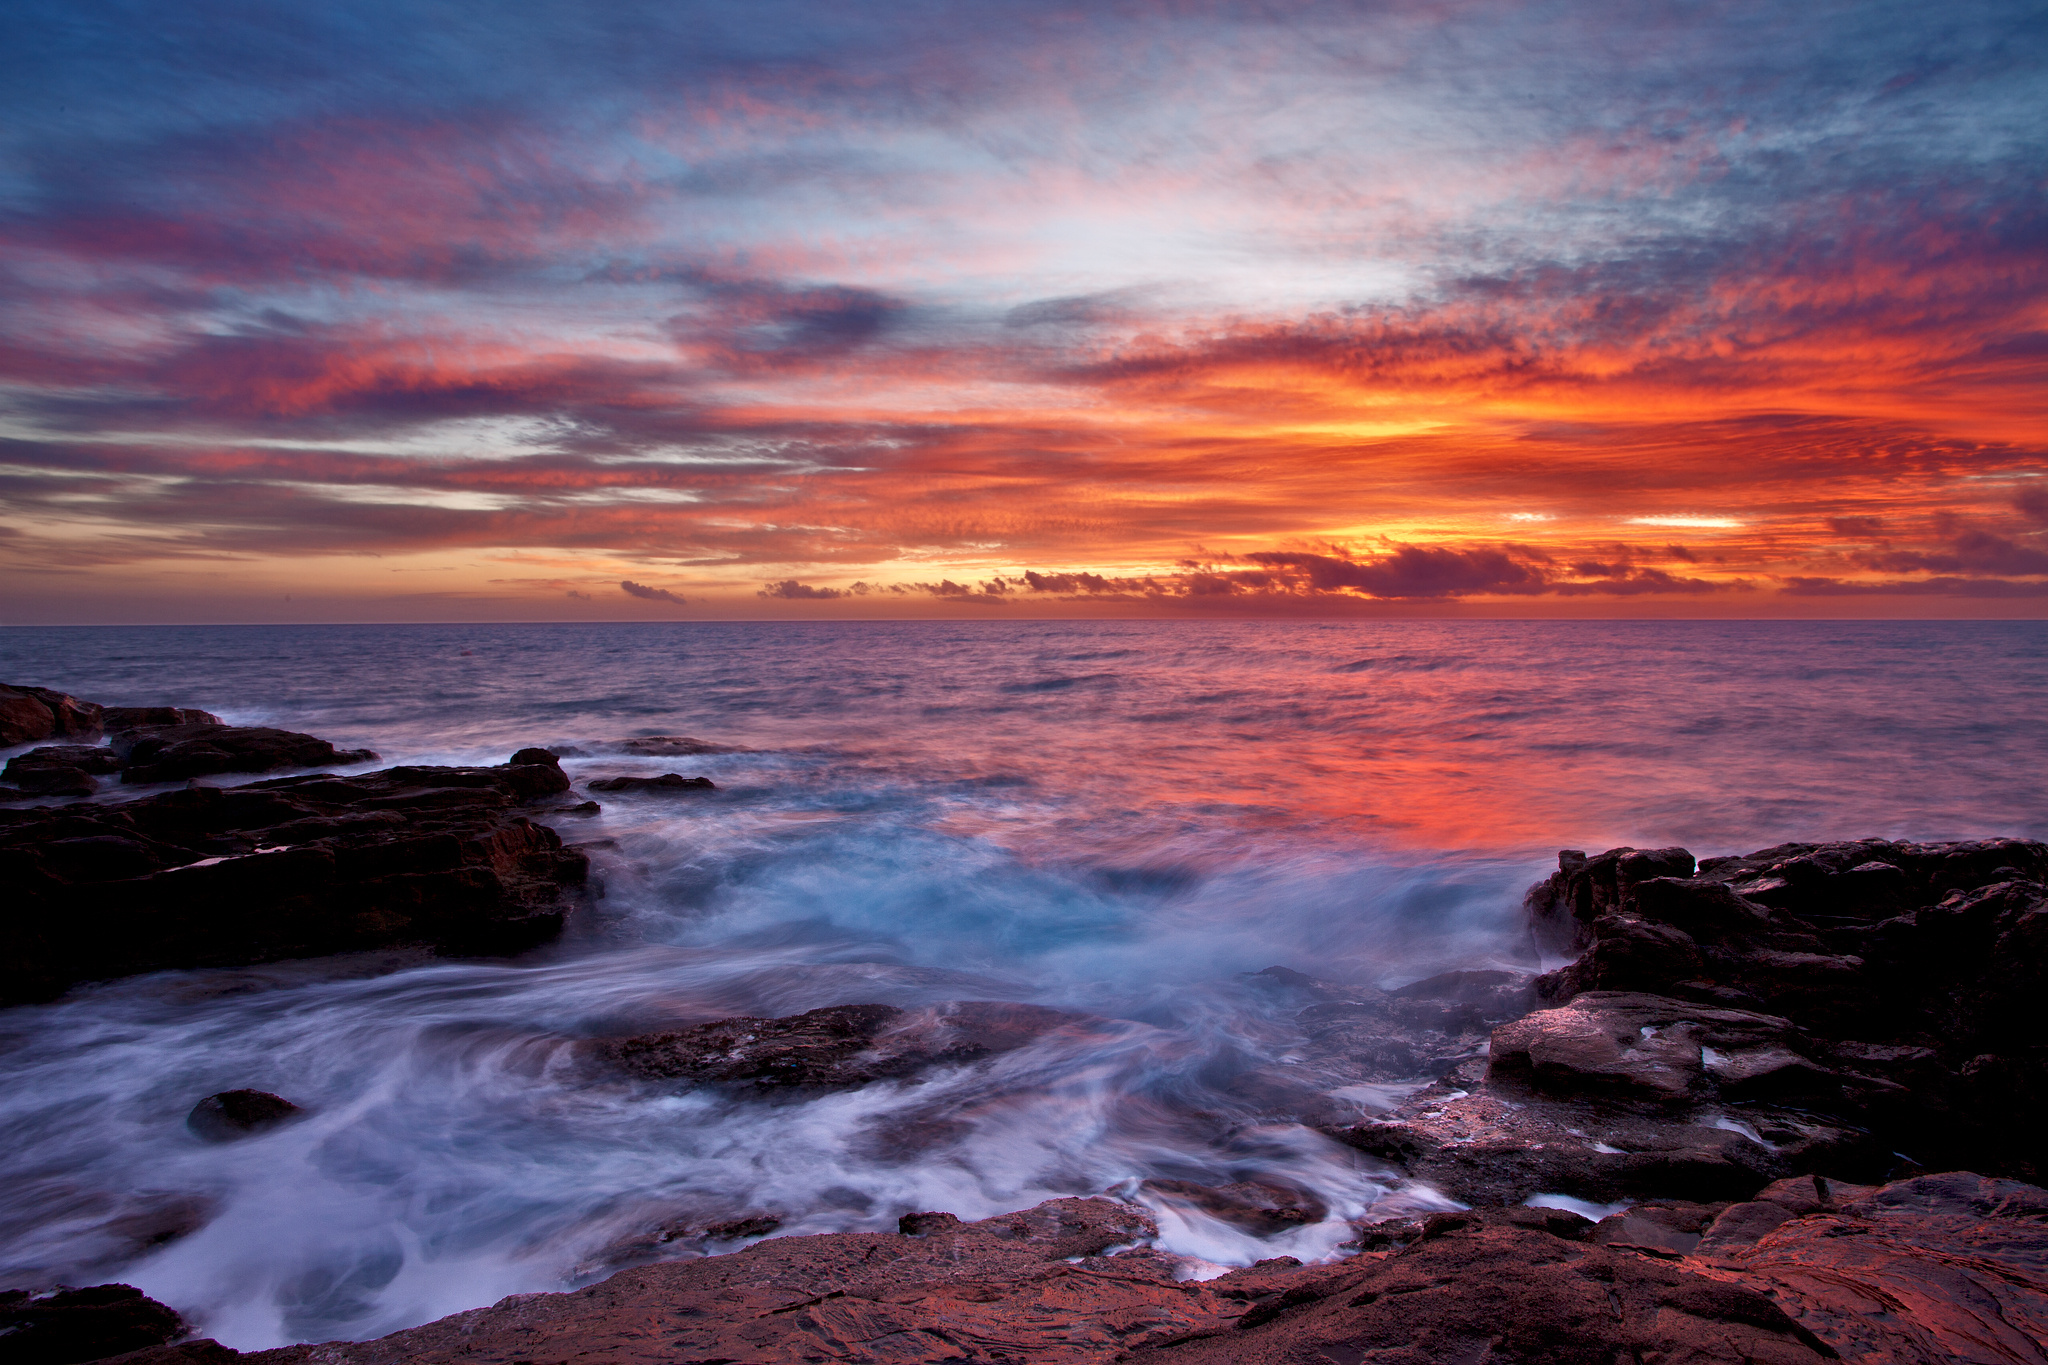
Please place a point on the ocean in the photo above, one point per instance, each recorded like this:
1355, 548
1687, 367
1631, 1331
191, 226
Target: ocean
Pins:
1124, 820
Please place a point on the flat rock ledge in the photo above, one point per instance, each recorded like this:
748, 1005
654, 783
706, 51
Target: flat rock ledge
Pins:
445, 859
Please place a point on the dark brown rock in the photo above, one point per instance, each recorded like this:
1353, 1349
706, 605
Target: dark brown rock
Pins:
668, 784
82, 1324
840, 1045
238, 1113
291, 867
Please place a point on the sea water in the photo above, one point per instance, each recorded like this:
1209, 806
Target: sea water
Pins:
1117, 819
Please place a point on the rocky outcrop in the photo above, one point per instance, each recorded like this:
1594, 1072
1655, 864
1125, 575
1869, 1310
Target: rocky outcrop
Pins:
838, 1046
29, 714
146, 744
1865, 1018
176, 753
443, 858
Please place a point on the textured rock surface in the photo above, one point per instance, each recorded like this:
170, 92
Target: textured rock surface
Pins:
293, 867
840, 1045
1030, 1286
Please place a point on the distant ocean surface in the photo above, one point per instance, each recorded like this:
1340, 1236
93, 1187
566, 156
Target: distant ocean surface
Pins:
1114, 818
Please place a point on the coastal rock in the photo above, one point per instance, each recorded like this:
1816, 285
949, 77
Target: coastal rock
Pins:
61, 769
1493, 1286
238, 1113
1029, 1286
1906, 977
286, 868
103, 1321
1261, 1208
840, 1045
28, 714
667, 784
676, 746
1938, 1268
175, 753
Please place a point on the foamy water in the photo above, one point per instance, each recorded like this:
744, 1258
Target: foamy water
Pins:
1114, 819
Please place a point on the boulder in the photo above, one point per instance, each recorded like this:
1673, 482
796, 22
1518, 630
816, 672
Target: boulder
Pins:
442, 858
838, 1046
239, 1113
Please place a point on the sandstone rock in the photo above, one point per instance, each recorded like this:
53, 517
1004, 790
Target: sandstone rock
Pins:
291, 867
28, 714
238, 1113
840, 1045
666, 785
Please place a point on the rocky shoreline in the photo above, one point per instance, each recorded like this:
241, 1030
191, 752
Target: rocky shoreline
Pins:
1777, 1107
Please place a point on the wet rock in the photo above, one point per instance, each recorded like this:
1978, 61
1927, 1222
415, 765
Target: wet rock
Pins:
28, 714
540, 756
239, 1113
175, 753
1487, 1286
676, 746
287, 868
739, 1229
118, 718
924, 1224
1261, 1208
840, 1045
82, 1324
61, 769
1454, 1002
1937, 1268
1650, 1047
1028, 1286
1906, 975
668, 784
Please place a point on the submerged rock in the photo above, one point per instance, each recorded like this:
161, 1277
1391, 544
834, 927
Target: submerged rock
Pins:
286, 868
666, 784
840, 1045
238, 1113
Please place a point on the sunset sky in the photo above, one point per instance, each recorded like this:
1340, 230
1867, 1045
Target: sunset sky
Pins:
620, 310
